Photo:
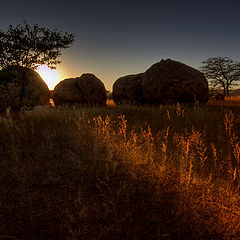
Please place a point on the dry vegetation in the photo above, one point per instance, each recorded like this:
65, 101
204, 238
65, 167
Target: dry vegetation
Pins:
229, 102
168, 172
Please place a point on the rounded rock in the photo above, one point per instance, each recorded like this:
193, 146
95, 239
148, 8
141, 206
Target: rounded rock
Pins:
128, 90
84, 90
21, 87
170, 81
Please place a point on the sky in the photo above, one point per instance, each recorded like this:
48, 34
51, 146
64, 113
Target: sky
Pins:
117, 38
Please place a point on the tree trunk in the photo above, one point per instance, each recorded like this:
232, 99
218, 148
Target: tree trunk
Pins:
227, 91
227, 87
224, 91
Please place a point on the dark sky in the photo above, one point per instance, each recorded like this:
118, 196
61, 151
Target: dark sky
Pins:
116, 38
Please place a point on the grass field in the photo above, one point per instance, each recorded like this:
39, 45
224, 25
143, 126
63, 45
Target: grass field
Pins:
167, 172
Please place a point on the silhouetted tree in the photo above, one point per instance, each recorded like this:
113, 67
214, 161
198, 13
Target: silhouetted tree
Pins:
30, 46
26, 47
221, 72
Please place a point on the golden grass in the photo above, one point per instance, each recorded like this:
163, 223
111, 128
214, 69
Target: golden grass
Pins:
228, 102
168, 172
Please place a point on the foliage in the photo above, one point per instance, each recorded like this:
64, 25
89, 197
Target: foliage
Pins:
24, 48
30, 46
222, 72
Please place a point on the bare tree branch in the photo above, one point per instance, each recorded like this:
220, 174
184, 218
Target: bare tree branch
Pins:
221, 71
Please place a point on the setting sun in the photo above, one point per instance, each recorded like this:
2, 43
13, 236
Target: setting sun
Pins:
48, 75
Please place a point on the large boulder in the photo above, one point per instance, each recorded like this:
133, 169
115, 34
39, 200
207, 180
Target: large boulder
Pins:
21, 87
84, 90
170, 81
128, 90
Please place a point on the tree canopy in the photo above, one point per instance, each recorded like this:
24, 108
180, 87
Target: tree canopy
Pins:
22, 49
31, 46
222, 72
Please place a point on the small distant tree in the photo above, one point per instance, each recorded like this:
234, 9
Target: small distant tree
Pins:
221, 72
27, 47
109, 95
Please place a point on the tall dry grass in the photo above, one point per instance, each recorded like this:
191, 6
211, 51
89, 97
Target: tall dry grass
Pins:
231, 101
168, 172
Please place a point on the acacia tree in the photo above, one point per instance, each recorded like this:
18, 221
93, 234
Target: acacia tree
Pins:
221, 72
27, 47
30, 46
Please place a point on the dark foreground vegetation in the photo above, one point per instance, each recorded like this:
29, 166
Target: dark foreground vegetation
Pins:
168, 172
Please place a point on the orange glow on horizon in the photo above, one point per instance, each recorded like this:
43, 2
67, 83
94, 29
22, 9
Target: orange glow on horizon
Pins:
50, 76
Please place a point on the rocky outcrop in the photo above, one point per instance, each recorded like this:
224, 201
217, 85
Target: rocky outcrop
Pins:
21, 87
84, 90
128, 90
164, 82
170, 81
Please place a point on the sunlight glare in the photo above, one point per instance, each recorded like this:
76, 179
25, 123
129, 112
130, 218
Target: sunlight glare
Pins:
48, 75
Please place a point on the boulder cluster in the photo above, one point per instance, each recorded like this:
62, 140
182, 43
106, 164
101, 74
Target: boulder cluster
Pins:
84, 90
22, 87
164, 82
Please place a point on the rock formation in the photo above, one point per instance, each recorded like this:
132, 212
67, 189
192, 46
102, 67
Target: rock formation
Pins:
87, 89
21, 87
170, 81
128, 89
